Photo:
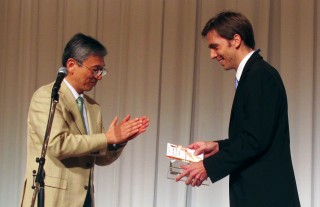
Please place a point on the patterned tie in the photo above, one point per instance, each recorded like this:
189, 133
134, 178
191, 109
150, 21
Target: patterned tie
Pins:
80, 107
80, 104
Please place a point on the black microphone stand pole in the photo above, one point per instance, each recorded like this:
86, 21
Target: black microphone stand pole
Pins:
39, 182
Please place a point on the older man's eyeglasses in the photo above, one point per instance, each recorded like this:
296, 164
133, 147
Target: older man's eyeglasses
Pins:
96, 70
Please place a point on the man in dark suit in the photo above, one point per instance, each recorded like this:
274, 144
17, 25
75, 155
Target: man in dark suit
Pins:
257, 154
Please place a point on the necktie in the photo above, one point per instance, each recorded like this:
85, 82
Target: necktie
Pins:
236, 82
80, 106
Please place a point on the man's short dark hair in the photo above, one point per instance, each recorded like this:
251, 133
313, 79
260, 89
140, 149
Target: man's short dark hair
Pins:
80, 47
229, 23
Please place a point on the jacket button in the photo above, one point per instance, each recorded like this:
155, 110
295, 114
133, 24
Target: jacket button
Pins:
85, 187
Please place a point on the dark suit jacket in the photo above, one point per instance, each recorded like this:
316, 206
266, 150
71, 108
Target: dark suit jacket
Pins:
257, 154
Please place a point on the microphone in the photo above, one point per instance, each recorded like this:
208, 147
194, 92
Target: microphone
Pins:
62, 72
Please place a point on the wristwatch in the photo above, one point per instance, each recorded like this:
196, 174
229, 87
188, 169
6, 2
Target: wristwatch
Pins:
112, 147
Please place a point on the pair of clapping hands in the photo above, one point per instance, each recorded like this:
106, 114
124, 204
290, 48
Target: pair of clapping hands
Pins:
126, 130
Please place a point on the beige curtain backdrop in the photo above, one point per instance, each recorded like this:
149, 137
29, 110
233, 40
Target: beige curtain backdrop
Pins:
160, 67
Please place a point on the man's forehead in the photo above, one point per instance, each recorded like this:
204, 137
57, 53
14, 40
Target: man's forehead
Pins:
95, 59
213, 34
214, 39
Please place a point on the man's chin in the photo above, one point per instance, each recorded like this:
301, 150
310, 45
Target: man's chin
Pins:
92, 85
89, 88
225, 67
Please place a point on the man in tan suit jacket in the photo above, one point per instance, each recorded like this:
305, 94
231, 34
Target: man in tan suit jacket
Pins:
78, 140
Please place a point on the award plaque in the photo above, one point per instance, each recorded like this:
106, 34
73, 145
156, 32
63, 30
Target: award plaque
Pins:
181, 156
175, 169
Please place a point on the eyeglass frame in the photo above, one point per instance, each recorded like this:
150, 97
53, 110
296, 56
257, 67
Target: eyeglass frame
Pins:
96, 72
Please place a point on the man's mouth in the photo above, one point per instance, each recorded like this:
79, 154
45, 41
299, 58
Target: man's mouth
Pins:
93, 83
220, 60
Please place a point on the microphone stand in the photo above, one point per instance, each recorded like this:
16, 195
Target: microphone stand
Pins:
39, 182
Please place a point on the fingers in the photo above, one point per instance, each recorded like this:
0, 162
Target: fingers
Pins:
143, 118
135, 127
126, 130
114, 122
144, 126
132, 127
142, 129
125, 119
192, 146
145, 122
181, 175
184, 173
198, 147
192, 180
199, 151
195, 174
195, 182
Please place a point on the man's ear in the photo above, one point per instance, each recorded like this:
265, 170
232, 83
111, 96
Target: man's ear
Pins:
71, 65
237, 40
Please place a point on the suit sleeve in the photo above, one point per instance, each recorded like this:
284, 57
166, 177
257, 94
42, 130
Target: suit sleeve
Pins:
259, 107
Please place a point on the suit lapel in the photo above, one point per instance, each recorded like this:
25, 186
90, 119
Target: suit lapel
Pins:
71, 104
90, 111
255, 56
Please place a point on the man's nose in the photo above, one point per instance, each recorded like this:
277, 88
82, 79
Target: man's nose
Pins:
213, 54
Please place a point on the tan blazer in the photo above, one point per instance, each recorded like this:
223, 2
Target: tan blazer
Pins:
68, 161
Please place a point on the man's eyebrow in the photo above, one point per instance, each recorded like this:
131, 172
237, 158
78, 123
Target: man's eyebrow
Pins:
213, 46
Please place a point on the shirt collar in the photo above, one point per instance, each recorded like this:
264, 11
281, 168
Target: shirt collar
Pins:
74, 92
242, 64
